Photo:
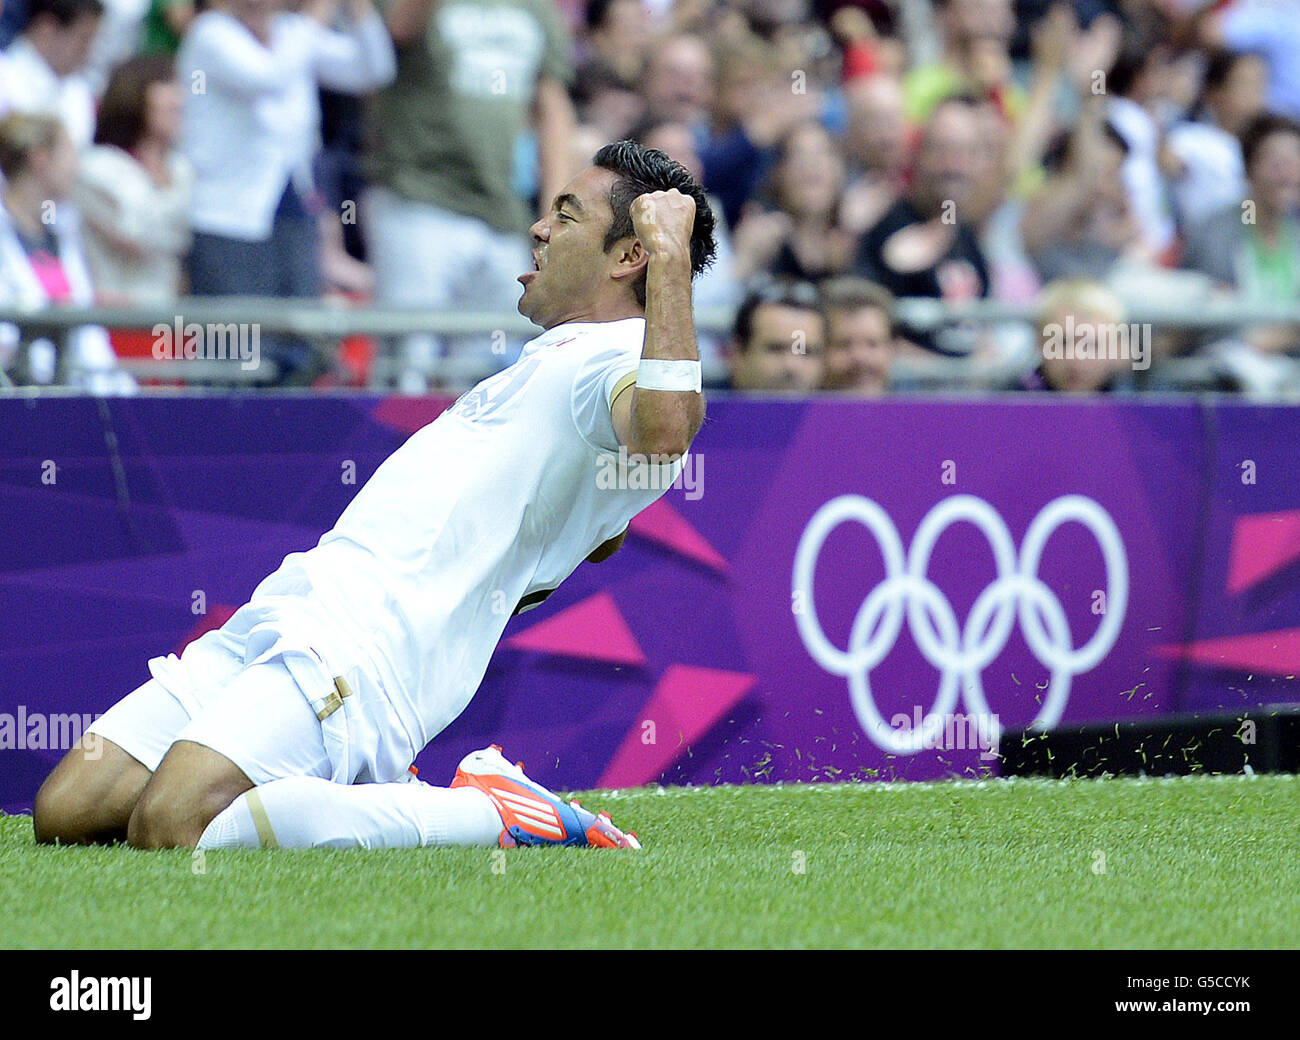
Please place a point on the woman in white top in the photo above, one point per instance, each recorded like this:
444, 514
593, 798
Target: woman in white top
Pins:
41, 262
251, 128
134, 188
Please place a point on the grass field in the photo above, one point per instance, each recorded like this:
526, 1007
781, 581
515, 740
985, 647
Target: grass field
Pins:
1192, 862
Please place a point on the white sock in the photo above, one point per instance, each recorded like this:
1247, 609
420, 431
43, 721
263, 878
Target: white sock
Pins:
306, 812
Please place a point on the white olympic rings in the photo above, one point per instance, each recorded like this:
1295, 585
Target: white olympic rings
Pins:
959, 652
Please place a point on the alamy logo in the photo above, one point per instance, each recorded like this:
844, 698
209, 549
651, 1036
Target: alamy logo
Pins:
960, 652
25, 730
92, 993
1102, 341
636, 472
215, 341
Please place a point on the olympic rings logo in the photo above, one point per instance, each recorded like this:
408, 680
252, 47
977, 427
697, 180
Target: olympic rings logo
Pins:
959, 652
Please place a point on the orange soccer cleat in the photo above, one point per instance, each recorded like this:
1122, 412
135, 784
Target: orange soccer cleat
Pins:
532, 815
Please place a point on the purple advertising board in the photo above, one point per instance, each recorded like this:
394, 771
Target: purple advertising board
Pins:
834, 590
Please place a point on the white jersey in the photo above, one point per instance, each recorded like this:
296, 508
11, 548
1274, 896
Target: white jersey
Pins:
494, 503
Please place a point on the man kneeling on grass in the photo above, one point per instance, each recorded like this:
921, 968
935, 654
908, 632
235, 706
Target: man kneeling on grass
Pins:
296, 722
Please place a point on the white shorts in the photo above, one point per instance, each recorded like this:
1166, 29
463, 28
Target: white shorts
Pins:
257, 718
256, 691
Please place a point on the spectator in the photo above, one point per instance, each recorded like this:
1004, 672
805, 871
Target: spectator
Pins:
1029, 12
617, 34
1056, 37
799, 236
605, 89
861, 338
1072, 313
445, 226
778, 341
1138, 89
1267, 27
604, 101
677, 83
1080, 223
1203, 155
976, 58
865, 31
925, 245
134, 188
878, 145
800, 43
41, 260
1253, 247
44, 68
250, 130
754, 107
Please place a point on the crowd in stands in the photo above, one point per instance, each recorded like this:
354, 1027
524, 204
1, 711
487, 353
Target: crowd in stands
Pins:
1079, 157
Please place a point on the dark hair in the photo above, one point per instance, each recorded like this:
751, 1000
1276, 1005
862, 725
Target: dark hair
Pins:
780, 292
124, 111
641, 170
1059, 152
1218, 68
1261, 128
1145, 36
597, 12
64, 12
1220, 65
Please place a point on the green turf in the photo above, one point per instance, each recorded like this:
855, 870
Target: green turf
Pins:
1188, 863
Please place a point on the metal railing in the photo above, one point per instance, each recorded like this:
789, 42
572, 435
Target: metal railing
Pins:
324, 324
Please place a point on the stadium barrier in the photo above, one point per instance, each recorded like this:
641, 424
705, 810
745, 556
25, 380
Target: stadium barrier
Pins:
833, 590
497, 336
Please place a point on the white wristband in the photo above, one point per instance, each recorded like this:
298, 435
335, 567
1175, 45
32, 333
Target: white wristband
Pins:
655, 374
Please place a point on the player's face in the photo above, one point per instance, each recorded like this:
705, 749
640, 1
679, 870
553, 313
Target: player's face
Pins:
572, 276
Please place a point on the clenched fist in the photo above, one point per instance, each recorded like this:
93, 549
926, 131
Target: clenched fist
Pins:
663, 221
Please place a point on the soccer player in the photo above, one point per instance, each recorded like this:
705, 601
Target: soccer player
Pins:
294, 724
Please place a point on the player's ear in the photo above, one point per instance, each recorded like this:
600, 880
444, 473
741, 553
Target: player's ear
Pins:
630, 258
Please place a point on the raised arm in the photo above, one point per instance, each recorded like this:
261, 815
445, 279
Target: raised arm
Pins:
355, 55
663, 422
